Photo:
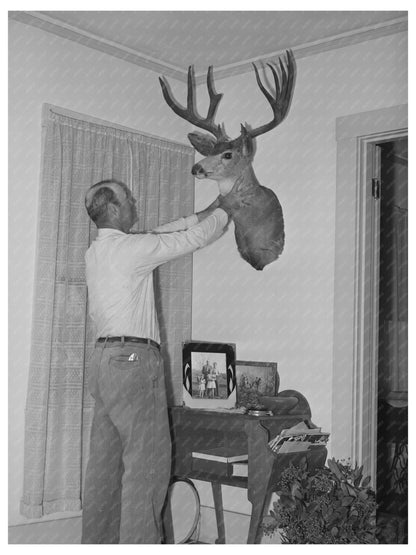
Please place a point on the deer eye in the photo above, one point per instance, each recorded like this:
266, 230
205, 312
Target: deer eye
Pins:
227, 155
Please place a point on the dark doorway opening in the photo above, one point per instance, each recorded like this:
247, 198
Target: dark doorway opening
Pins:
392, 416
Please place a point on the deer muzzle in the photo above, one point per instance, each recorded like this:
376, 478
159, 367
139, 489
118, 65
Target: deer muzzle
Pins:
198, 171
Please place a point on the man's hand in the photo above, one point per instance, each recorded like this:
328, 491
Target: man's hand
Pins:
236, 199
209, 210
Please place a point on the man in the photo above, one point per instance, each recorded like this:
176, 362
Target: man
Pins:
215, 373
129, 465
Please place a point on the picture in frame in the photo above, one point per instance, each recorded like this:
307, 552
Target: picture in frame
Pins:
209, 374
255, 380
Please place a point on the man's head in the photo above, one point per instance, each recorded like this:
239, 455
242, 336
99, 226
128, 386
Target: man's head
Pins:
110, 204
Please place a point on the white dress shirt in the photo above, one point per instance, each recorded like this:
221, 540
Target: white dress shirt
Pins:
119, 272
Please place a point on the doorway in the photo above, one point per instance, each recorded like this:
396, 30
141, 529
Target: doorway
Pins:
363, 156
391, 191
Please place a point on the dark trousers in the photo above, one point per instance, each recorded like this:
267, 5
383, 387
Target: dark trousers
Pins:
128, 469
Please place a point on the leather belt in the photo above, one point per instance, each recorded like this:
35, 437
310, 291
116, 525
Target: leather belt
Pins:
127, 339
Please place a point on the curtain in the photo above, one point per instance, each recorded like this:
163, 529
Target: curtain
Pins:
77, 153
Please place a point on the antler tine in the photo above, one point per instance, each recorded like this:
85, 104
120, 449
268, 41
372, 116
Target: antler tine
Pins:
191, 92
279, 88
291, 70
190, 112
284, 76
214, 98
284, 88
263, 89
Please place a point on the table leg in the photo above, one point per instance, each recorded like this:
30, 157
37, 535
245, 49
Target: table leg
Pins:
258, 505
219, 513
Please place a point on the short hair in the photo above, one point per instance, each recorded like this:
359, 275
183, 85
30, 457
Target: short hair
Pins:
99, 196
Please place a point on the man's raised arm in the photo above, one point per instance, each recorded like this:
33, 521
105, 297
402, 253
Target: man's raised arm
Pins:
185, 223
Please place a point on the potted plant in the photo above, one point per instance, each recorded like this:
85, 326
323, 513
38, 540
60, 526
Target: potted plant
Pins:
328, 505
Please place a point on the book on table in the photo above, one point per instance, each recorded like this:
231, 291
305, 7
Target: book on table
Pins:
240, 469
222, 454
300, 437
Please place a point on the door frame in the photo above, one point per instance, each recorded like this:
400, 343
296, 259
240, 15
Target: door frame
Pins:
354, 391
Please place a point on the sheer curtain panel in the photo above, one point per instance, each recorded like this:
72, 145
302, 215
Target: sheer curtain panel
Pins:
77, 152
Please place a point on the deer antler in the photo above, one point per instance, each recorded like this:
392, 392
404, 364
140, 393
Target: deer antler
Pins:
190, 113
281, 101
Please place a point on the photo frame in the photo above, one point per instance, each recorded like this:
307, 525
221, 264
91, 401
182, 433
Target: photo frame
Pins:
255, 379
208, 374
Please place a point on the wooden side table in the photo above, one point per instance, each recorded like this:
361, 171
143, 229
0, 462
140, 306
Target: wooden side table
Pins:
199, 429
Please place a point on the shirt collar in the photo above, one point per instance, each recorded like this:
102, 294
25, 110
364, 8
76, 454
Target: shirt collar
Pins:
104, 232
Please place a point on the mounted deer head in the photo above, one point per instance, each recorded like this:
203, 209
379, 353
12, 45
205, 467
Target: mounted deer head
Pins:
255, 210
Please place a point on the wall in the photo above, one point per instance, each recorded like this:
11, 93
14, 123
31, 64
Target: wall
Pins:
282, 314
285, 314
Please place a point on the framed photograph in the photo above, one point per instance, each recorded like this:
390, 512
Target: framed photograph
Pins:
209, 374
254, 380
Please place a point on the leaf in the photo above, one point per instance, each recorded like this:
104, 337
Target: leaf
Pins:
358, 475
287, 500
344, 488
342, 512
347, 501
311, 508
366, 481
333, 518
269, 521
351, 490
334, 531
334, 468
296, 492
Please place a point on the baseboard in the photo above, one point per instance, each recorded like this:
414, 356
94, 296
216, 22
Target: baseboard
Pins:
62, 531
68, 530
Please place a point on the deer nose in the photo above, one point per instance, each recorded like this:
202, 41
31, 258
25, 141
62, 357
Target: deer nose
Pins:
197, 169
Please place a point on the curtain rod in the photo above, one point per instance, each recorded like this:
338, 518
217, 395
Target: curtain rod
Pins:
57, 110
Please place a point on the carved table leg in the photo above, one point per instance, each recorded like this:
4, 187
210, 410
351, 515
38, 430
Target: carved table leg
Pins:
219, 513
258, 503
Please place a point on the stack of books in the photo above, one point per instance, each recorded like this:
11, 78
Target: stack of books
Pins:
298, 438
221, 461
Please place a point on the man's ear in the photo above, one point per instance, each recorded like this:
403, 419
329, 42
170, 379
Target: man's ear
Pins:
112, 210
202, 142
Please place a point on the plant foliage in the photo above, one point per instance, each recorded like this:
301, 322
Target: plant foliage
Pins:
332, 504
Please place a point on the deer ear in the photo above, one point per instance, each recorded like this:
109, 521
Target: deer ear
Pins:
202, 142
246, 142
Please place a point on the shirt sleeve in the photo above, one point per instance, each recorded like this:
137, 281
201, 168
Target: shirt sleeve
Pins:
178, 225
152, 249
